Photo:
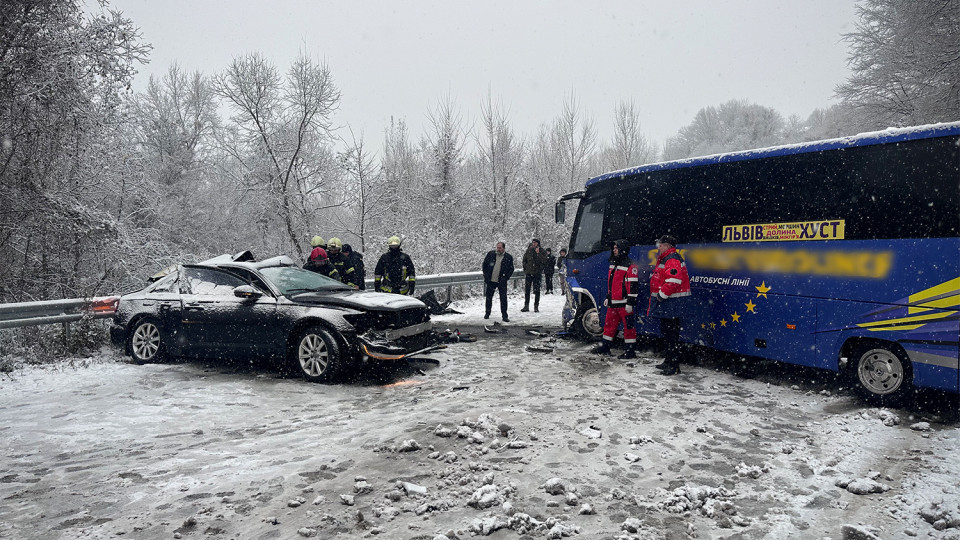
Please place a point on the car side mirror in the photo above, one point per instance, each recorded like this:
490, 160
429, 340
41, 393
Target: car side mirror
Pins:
247, 291
560, 212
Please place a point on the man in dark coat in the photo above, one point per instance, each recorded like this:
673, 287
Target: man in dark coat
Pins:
356, 260
533, 262
497, 269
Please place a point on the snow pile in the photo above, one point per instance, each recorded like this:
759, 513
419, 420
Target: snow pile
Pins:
941, 515
709, 501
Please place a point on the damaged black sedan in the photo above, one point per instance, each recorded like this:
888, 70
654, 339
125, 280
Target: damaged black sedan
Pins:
234, 307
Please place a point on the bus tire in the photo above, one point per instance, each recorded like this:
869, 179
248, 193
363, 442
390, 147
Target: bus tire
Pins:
883, 373
586, 322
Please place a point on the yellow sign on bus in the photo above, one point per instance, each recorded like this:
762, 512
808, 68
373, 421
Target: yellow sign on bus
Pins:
829, 229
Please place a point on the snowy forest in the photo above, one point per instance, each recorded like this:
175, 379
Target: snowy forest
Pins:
101, 185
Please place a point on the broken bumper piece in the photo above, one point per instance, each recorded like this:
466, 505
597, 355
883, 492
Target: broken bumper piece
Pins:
384, 351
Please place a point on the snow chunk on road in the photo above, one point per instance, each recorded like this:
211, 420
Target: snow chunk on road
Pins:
486, 497
555, 486
752, 471
862, 486
688, 498
941, 515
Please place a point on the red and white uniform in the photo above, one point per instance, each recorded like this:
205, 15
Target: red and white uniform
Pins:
670, 278
622, 290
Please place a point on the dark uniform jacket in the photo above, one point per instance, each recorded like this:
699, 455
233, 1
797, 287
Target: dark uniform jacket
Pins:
395, 273
360, 273
323, 269
348, 274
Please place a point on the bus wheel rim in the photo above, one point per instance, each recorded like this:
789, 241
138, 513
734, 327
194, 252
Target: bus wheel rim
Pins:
880, 371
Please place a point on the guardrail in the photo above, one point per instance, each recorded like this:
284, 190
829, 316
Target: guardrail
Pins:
69, 310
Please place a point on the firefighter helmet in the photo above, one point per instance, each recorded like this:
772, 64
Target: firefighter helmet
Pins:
334, 243
393, 241
317, 241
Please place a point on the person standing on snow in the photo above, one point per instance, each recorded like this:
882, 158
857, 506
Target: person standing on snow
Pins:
533, 262
394, 272
497, 268
356, 260
669, 296
562, 270
622, 289
341, 262
548, 272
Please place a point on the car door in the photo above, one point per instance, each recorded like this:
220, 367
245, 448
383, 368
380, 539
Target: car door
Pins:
215, 322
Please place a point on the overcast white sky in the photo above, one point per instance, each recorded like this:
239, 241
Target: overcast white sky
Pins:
401, 58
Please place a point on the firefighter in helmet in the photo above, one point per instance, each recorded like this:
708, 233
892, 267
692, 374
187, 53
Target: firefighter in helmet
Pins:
340, 261
394, 272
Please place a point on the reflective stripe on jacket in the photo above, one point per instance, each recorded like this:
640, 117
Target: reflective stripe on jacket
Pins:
623, 283
670, 278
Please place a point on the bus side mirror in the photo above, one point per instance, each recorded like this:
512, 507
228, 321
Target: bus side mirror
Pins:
560, 211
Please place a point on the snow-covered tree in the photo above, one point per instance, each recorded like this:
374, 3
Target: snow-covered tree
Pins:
734, 125
63, 77
905, 63
285, 148
630, 147
500, 156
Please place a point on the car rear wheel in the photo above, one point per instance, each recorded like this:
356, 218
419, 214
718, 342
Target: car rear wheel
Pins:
145, 344
883, 372
316, 354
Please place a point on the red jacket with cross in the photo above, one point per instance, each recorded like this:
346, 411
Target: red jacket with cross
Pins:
670, 278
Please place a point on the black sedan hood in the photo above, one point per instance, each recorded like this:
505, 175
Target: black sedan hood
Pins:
361, 300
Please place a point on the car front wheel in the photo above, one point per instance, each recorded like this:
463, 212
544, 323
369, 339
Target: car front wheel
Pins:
316, 354
145, 343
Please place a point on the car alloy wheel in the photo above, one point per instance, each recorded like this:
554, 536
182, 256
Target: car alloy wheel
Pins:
317, 354
145, 342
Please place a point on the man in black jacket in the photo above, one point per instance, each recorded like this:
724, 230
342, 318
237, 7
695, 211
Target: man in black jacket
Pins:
497, 269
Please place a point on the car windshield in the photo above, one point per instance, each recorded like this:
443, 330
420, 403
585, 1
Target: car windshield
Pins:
291, 280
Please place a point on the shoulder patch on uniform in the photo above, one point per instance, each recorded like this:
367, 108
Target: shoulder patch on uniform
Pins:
673, 271
633, 270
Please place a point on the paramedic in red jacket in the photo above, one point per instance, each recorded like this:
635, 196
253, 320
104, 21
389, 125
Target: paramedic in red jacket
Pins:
622, 289
669, 295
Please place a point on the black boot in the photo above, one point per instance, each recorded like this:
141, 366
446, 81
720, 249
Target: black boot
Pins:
671, 370
628, 353
525, 309
603, 348
661, 365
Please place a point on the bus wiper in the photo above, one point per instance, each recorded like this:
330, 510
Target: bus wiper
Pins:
304, 289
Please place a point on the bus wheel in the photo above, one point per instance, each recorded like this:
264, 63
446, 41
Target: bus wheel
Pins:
883, 372
586, 323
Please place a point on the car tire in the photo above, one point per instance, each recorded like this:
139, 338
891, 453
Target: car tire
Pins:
883, 373
586, 323
145, 344
315, 353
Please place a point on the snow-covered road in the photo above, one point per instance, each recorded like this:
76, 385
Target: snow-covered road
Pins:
497, 440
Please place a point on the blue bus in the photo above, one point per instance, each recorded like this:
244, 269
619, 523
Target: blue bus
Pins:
841, 254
